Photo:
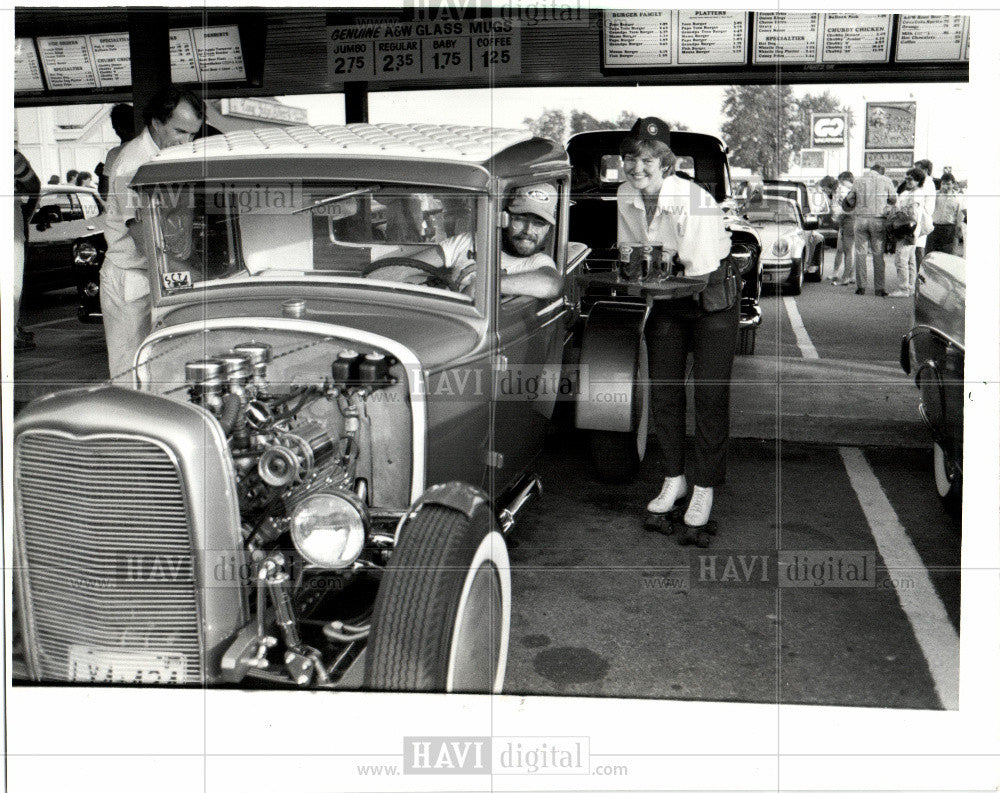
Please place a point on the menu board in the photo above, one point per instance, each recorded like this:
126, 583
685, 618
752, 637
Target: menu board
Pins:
674, 38
781, 37
389, 51
27, 72
220, 57
855, 38
932, 37
638, 38
67, 62
112, 61
183, 65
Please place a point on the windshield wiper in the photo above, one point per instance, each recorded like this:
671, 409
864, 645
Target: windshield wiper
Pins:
341, 197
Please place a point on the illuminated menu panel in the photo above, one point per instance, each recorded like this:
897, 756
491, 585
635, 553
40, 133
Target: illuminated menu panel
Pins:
183, 65
27, 72
638, 38
711, 37
67, 62
932, 37
112, 62
786, 38
220, 57
855, 38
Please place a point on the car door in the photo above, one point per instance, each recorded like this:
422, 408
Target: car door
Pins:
50, 242
527, 367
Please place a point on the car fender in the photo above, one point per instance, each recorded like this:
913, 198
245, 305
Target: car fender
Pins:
608, 360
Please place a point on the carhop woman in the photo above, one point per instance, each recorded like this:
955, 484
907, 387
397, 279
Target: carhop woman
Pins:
656, 206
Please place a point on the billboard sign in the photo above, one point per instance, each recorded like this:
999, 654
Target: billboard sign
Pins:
891, 125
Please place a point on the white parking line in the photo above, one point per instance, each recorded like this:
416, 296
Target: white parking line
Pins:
51, 322
801, 336
937, 638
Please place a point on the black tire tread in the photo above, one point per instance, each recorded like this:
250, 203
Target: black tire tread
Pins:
418, 597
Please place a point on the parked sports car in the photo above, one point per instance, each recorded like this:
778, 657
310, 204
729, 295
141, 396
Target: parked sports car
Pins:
791, 248
934, 352
66, 245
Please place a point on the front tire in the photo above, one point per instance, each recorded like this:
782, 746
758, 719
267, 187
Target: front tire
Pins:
616, 456
441, 619
948, 482
793, 286
818, 255
747, 342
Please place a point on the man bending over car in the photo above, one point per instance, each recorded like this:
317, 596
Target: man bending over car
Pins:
525, 268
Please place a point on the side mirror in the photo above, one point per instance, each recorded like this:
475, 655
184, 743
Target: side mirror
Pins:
505, 219
810, 223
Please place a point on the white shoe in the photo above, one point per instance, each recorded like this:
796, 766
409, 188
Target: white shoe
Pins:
900, 293
700, 507
673, 490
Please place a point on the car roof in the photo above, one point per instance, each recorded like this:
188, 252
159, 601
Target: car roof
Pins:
67, 188
780, 198
420, 153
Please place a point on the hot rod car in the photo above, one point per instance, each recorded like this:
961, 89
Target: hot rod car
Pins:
934, 352
326, 438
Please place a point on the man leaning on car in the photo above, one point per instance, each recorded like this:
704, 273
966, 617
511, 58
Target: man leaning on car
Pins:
173, 116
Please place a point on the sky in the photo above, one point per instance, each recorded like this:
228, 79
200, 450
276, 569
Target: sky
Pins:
943, 110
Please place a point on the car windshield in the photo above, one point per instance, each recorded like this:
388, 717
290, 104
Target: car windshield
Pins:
772, 210
213, 231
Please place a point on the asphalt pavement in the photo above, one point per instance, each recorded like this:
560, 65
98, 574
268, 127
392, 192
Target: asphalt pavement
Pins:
830, 467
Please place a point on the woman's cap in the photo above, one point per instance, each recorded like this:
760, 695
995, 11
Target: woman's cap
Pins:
651, 128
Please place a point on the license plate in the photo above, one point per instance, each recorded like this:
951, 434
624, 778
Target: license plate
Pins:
768, 277
89, 665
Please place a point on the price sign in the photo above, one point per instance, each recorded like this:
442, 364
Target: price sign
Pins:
786, 38
465, 49
183, 66
27, 72
856, 38
112, 60
711, 37
67, 62
932, 37
638, 38
219, 54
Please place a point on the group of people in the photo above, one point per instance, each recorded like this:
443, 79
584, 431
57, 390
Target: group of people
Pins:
919, 217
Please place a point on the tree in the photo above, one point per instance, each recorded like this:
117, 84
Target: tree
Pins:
555, 125
805, 106
760, 121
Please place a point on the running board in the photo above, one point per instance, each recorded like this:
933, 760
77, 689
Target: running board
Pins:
526, 487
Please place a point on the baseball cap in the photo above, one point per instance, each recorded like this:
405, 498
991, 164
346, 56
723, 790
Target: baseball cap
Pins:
651, 128
534, 199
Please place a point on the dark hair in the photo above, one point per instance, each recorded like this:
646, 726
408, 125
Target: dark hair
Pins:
926, 166
165, 101
948, 177
636, 147
879, 168
845, 175
54, 179
71, 176
82, 177
917, 175
123, 121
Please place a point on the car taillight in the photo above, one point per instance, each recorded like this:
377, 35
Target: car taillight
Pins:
85, 253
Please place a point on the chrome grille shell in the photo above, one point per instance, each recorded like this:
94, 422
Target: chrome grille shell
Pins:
126, 510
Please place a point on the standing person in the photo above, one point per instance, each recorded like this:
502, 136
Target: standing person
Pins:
123, 123
871, 195
173, 117
26, 187
656, 207
928, 192
71, 177
83, 179
948, 210
909, 210
843, 214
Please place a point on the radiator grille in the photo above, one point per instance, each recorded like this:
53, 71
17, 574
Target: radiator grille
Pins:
109, 565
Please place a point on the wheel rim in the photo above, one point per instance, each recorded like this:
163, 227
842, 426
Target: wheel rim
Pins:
477, 660
944, 474
642, 430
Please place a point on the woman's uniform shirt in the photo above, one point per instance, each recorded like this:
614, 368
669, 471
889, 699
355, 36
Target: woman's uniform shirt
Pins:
687, 220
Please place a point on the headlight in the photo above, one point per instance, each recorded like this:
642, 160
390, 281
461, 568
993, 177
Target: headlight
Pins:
781, 248
85, 253
328, 529
742, 257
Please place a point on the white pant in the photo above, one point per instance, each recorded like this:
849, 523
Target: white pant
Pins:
906, 267
126, 307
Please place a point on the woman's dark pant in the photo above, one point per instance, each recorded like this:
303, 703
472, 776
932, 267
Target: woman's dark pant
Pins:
942, 238
670, 335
